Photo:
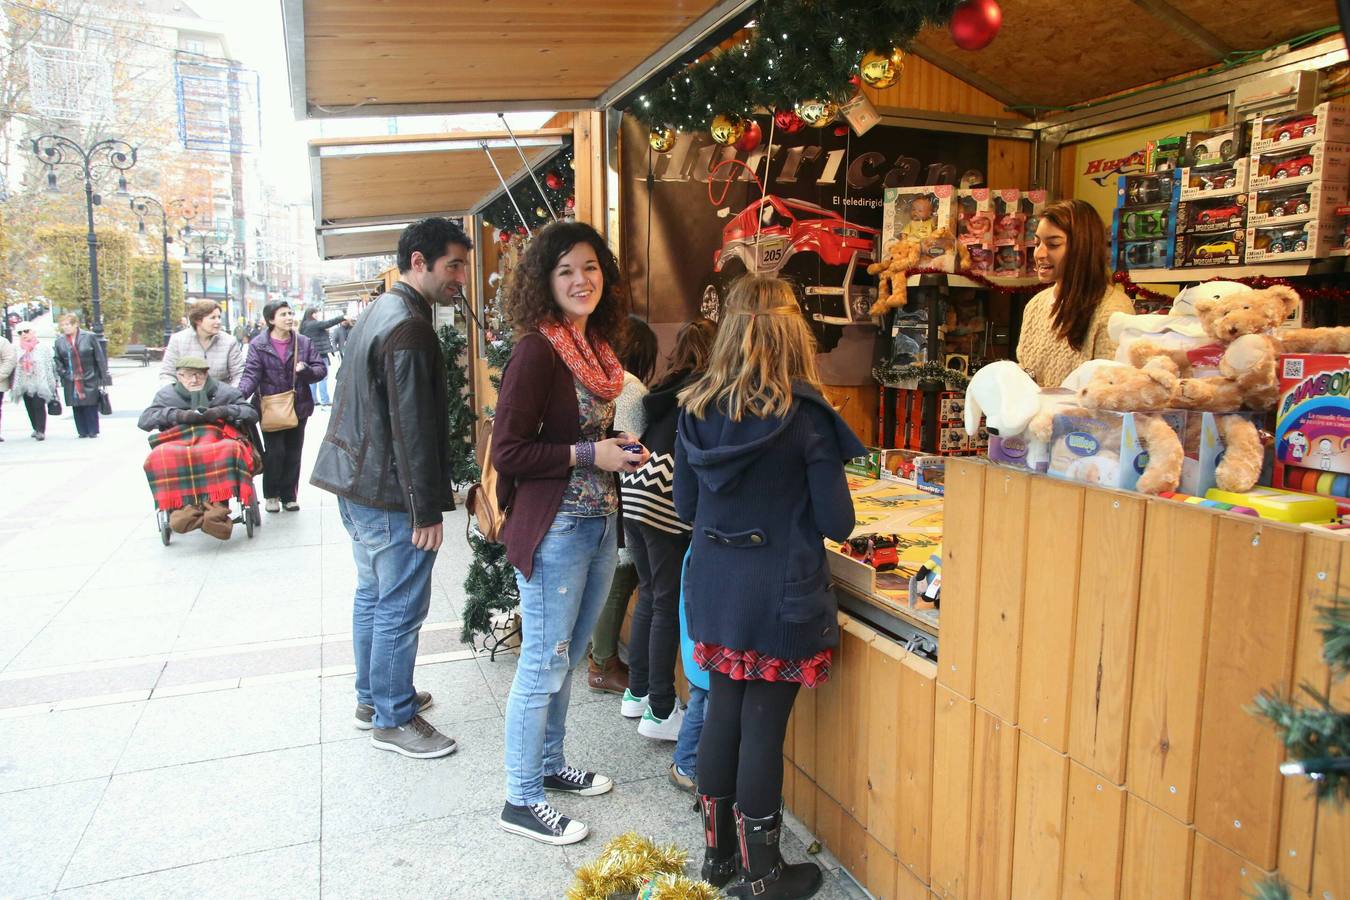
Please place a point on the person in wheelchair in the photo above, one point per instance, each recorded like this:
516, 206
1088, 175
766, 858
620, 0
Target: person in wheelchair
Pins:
195, 399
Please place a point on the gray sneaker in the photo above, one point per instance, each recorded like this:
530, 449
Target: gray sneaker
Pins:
416, 740
365, 714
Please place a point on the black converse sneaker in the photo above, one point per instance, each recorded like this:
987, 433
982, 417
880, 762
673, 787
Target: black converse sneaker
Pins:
575, 781
541, 822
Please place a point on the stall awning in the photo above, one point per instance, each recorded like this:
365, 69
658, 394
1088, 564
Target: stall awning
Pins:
355, 57
365, 190
346, 291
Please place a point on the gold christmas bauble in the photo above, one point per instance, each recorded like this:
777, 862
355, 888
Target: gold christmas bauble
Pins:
661, 138
727, 129
817, 113
882, 71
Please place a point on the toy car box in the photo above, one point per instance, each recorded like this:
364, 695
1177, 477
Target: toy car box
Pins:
1339, 233
1215, 145
1142, 254
1313, 199
1313, 162
1324, 122
926, 215
1312, 418
1306, 239
1221, 248
1164, 154
868, 465
1211, 214
1218, 180
1143, 223
1102, 447
1143, 190
898, 465
975, 226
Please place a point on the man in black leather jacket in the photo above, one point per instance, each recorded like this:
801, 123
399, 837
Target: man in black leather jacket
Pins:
387, 457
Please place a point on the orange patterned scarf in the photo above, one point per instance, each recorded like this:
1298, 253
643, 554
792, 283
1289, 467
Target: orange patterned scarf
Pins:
593, 363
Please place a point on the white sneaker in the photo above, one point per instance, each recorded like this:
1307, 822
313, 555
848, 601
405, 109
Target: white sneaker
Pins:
667, 729
273, 505
632, 707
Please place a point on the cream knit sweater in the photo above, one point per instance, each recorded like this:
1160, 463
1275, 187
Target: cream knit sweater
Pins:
1048, 357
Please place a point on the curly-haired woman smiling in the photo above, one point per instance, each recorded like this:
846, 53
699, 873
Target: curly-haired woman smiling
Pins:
557, 463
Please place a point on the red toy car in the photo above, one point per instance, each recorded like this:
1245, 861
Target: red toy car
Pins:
1216, 181
1303, 126
1292, 168
1231, 213
1292, 206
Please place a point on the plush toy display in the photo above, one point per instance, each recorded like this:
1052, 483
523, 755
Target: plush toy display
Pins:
1127, 389
892, 271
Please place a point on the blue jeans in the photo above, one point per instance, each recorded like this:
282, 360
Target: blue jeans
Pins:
686, 748
319, 391
393, 594
559, 605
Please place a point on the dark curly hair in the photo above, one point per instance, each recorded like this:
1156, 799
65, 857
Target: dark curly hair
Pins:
531, 301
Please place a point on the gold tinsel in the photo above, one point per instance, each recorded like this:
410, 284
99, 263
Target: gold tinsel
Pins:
628, 863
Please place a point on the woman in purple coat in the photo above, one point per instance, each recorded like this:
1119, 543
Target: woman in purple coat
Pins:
281, 359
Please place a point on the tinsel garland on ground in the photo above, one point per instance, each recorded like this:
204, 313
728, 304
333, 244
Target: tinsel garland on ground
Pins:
632, 865
801, 50
463, 464
1316, 734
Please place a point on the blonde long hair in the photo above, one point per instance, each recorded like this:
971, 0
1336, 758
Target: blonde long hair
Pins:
763, 345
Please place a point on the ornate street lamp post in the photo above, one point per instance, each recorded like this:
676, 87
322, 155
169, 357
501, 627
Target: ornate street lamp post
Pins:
181, 209
54, 150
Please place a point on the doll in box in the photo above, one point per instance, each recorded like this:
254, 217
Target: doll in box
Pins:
921, 222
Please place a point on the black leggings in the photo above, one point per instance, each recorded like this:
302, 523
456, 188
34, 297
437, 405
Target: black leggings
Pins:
741, 749
281, 462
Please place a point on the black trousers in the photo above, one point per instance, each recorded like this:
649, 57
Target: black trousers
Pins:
654, 635
37, 412
281, 462
86, 420
740, 752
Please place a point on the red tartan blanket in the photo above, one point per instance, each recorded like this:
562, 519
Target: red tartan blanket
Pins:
199, 463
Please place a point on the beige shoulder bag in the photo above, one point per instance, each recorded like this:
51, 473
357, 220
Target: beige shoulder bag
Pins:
278, 410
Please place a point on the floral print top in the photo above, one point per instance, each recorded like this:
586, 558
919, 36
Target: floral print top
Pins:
591, 491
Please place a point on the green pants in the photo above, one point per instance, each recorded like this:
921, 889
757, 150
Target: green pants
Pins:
605, 638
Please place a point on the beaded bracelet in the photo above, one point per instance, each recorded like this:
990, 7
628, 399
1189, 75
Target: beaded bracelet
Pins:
585, 454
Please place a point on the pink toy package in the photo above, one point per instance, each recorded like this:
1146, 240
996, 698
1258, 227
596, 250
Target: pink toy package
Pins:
975, 226
1312, 427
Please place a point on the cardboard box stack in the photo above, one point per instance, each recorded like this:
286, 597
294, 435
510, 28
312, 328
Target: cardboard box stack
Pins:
1300, 173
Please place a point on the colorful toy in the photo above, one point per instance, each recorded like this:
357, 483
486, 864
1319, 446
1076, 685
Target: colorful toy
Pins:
1325, 122
892, 271
1134, 451
926, 216
1214, 180
1312, 426
1212, 214
1312, 199
1282, 506
1224, 248
1302, 239
1324, 162
1221, 144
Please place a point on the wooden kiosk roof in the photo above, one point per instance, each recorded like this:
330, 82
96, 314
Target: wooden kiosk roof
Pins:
364, 190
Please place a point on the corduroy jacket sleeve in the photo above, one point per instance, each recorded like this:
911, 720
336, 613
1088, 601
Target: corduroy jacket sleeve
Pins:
831, 504
411, 371
517, 448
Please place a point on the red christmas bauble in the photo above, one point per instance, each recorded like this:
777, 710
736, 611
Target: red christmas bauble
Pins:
975, 23
855, 80
571, 203
521, 229
787, 120
553, 180
750, 140
505, 236
840, 130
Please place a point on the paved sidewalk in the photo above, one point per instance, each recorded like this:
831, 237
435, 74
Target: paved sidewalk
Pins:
176, 721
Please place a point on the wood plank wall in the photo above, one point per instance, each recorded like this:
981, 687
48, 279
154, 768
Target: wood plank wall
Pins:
1086, 732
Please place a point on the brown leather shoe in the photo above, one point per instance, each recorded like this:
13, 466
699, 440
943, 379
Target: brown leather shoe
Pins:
609, 679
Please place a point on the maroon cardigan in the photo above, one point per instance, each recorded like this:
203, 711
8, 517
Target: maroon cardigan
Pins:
534, 428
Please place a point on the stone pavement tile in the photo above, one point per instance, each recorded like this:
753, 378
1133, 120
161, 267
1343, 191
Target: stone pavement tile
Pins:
35, 575
465, 857
143, 543
243, 664
281, 874
24, 616
277, 618
365, 788
95, 541
281, 532
181, 815
458, 690
501, 671
95, 603
78, 642
601, 740
185, 573
39, 830
67, 686
57, 747
288, 571
197, 727
651, 807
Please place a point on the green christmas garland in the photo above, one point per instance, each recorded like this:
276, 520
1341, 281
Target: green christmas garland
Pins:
892, 376
463, 463
800, 50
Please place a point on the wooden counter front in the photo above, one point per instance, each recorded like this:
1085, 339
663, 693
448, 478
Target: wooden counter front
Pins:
1085, 732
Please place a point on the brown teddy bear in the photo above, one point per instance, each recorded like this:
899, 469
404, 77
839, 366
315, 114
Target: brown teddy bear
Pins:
892, 271
1127, 389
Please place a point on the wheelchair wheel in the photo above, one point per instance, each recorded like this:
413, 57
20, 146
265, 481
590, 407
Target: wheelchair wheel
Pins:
252, 518
162, 519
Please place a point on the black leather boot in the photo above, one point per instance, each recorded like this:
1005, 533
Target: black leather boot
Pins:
719, 838
764, 875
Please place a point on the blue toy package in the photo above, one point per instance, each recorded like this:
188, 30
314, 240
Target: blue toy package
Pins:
1103, 447
1143, 228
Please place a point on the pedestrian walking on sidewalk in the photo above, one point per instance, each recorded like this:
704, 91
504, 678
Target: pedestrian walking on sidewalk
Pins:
8, 358
759, 471
391, 404
281, 360
35, 379
557, 466
204, 337
317, 332
83, 367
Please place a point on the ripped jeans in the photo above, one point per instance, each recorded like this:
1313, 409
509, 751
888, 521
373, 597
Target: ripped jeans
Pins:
559, 605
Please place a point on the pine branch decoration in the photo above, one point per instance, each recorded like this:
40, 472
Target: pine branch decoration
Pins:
463, 462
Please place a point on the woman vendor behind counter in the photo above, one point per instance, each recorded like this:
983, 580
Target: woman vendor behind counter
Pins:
1064, 325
